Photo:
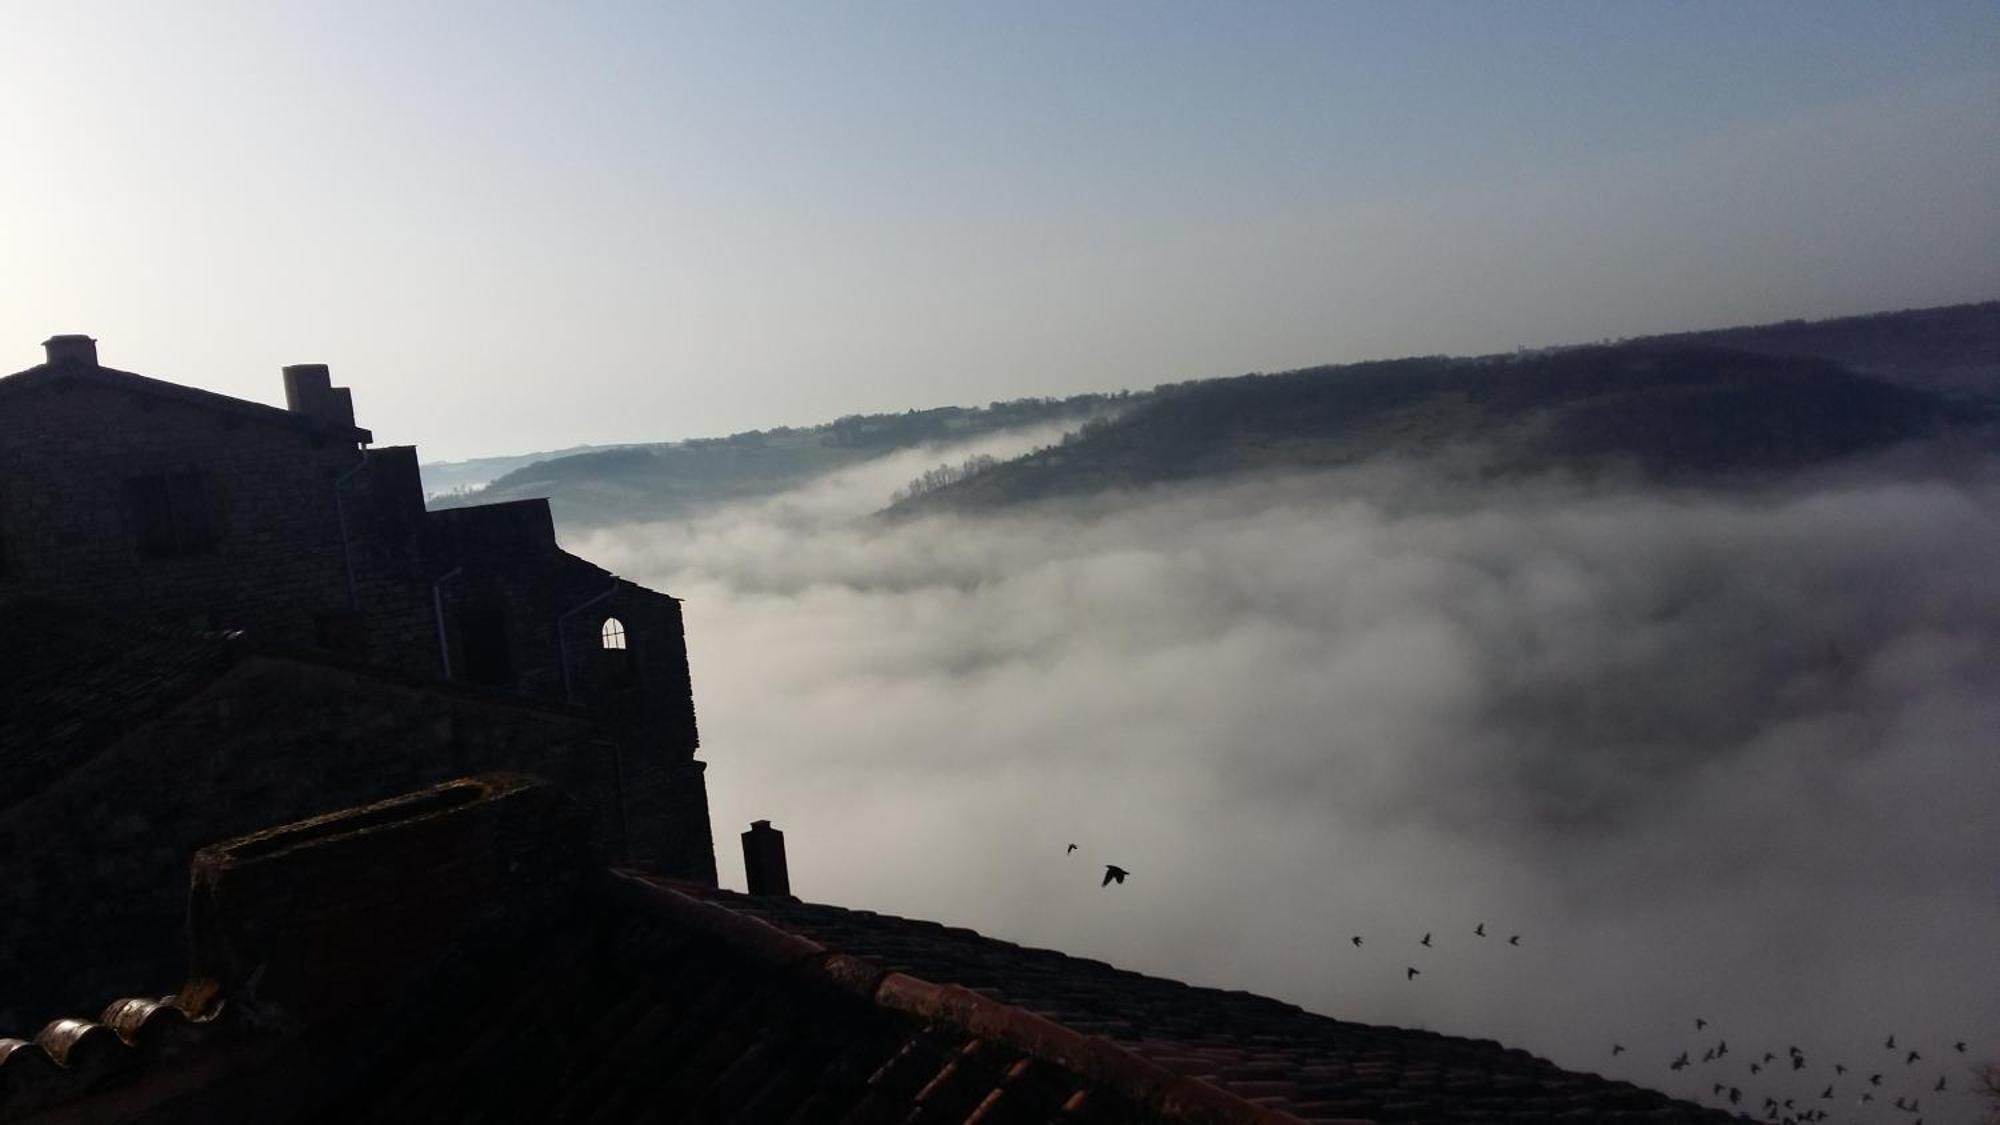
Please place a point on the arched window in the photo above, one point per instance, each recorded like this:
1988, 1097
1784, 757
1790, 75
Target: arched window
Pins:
613, 633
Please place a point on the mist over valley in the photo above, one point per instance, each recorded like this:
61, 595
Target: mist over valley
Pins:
1712, 744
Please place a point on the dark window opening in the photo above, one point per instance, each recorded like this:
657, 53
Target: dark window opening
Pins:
484, 654
172, 513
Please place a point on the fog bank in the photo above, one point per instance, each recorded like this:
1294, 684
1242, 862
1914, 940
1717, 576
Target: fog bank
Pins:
1717, 756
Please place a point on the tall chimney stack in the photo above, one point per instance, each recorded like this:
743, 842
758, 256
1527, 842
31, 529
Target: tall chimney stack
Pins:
71, 349
309, 390
764, 860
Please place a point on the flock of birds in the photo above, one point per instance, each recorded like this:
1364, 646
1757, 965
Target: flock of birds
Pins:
1860, 1090
1783, 1111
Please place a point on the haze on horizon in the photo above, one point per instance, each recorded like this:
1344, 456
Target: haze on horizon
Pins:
514, 228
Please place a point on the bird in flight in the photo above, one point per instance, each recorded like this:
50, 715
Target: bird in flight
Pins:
1826, 1093
1114, 873
1072, 848
1700, 1023
1913, 1057
1356, 939
1410, 974
1735, 1095
1959, 1046
1722, 1048
1680, 1061
1939, 1088
1839, 1068
1617, 1048
1798, 1062
1756, 1068
1480, 929
1891, 1044
1515, 940
1427, 941
1874, 1080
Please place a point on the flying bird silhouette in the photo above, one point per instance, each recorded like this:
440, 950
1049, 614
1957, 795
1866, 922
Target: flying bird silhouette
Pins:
1072, 848
1840, 1068
1798, 1062
1939, 1088
1826, 1093
1480, 929
1700, 1023
1874, 1080
1891, 1044
1756, 1068
1913, 1057
1722, 1048
1427, 939
1410, 974
1514, 940
1114, 874
1617, 1048
1769, 1057
1680, 1061
1356, 939
1959, 1046
1735, 1095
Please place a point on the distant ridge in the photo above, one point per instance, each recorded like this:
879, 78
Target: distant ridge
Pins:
1754, 399
1673, 411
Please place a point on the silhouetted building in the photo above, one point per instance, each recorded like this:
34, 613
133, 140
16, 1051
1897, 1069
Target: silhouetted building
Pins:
152, 535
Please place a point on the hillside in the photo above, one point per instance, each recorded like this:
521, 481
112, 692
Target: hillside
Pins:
671, 480
1673, 412
1952, 350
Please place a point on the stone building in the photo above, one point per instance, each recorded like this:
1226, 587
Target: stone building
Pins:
183, 575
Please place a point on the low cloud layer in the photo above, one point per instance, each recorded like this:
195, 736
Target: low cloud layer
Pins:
1727, 757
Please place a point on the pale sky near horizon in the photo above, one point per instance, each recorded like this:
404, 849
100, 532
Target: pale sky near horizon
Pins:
520, 227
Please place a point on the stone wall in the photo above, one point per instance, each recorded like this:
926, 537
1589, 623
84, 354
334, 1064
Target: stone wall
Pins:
93, 869
69, 451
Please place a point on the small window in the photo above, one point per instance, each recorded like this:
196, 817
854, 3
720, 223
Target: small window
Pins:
172, 513
613, 633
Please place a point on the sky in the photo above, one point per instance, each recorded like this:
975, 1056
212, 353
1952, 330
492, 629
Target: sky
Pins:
514, 227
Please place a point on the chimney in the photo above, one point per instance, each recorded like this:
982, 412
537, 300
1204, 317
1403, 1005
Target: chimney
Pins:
764, 860
71, 349
309, 390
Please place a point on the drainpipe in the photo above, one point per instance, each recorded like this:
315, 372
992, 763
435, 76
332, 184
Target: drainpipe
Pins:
562, 647
347, 549
437, 606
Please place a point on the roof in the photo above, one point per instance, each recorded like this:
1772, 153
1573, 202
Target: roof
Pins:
619, 996
74, 680
45, 373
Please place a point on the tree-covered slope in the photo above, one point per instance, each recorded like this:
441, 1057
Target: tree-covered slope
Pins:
1674, 413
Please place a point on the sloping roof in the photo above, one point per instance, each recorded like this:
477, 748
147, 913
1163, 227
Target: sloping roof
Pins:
72, 680
45, 373
617, 996
1270, 1054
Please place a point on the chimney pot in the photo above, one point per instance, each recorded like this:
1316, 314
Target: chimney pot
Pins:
71, 349
764, 860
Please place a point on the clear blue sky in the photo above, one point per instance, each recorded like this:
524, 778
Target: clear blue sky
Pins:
515, 227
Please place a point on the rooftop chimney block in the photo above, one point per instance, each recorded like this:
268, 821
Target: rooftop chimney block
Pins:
764, 860
309, 390
71, 349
